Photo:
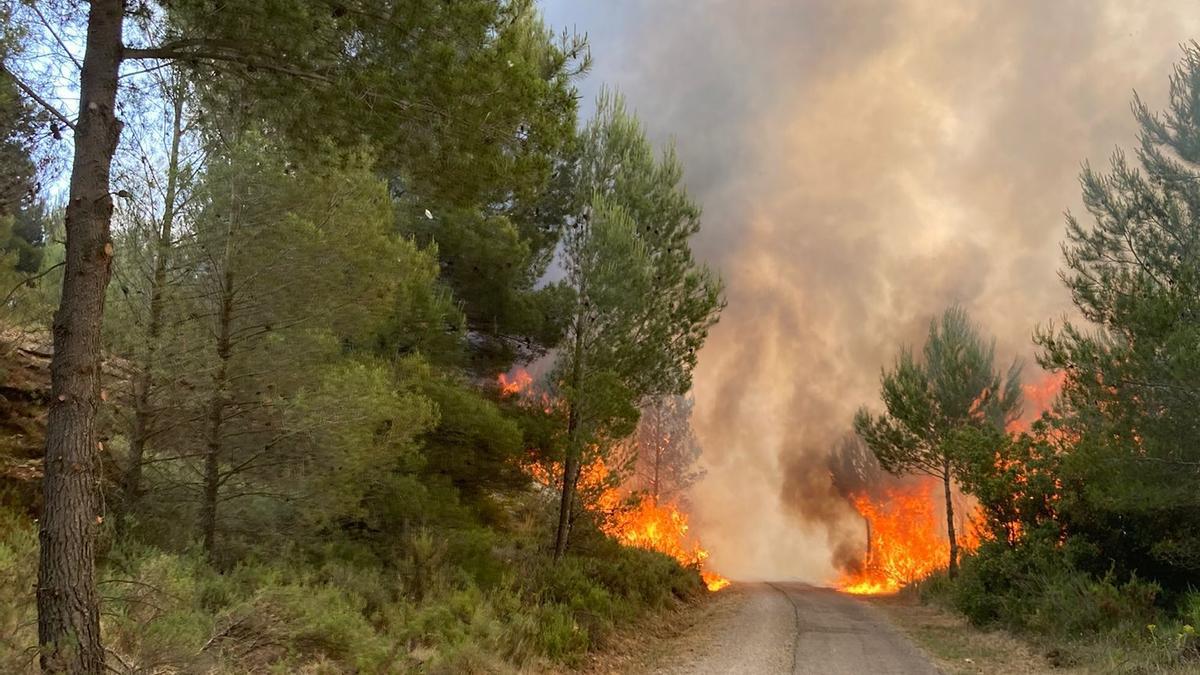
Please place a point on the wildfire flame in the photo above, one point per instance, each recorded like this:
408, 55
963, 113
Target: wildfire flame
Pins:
907, 538
663, 528
647, 524
518, 383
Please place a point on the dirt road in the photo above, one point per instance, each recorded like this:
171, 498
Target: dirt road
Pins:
793, 628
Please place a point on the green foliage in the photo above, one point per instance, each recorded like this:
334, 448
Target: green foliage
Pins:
18, 567
1131, 390
1036, 588
493, 268
355, 430
339, 607
18, 120
953, 387
26, 236
474, 445
1016, 479
932, 403
366, 202
645, 305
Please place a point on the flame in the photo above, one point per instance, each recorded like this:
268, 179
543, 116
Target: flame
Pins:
1039, 398
661, 527
517, 384
907, 539
648, 524
907, 534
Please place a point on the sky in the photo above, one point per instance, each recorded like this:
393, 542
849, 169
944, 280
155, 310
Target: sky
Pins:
862, 165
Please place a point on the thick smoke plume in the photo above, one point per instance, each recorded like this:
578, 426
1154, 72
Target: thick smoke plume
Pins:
862, 165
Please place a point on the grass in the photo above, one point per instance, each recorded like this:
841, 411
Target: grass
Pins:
1071, 624
342, 609
959, 648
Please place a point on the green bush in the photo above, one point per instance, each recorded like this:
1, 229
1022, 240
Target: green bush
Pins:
467, 600
1034, 588
18, 604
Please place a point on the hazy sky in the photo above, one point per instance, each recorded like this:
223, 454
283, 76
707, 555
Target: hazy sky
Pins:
862, 165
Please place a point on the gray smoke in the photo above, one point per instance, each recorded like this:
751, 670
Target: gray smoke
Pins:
862, 165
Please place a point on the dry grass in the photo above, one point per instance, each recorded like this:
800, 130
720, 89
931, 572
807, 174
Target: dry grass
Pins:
958, 648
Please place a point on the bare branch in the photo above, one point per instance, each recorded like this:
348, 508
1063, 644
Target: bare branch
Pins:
29, 91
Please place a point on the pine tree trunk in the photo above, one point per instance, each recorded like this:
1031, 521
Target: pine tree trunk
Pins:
68, 605
216, 409
953, 568
143, 382
574, 454
216, 420
658, 451
869, 545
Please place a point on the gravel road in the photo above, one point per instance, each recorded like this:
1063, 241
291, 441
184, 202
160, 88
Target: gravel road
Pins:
793, 628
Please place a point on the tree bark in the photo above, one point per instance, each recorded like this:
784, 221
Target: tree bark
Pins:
658, 452
68, 605
143, 414
574, 454
952, 570
216, 410
869, 545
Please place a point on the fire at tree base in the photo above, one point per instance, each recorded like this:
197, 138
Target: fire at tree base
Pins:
907, 539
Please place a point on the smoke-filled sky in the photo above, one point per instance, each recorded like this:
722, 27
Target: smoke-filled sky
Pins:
863, 164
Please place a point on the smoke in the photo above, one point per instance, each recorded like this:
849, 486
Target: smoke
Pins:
861, 166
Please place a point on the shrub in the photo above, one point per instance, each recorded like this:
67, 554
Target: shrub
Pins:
1035, 588
18, 604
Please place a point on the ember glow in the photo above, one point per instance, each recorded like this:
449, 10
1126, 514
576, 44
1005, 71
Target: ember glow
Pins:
640, 522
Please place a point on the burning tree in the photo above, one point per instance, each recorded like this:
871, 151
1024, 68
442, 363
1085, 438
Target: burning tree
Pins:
665, 449
955, 387
643, 305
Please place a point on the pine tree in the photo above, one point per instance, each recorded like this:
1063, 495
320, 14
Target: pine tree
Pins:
1131, 390
643, 305
417, 78
955, 386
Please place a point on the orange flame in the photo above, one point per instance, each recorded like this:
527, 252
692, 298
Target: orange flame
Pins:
907, 535
518, 383
907, 539
1039, 398
661, 527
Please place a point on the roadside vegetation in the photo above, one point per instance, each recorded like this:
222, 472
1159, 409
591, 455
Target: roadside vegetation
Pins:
257, 360
1086, 519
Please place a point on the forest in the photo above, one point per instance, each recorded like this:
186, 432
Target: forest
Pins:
277, 270
349, 336
1080, 526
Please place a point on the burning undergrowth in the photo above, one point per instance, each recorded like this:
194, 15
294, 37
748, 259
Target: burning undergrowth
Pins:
632, 517
901, 535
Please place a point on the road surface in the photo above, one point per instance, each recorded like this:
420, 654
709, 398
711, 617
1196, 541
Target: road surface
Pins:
771, 628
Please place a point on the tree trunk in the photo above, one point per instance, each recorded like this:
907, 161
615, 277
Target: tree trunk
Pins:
216, 409
574, 454
68, 606
869, 545
216, 420
952, 570
142, 412
658, 452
